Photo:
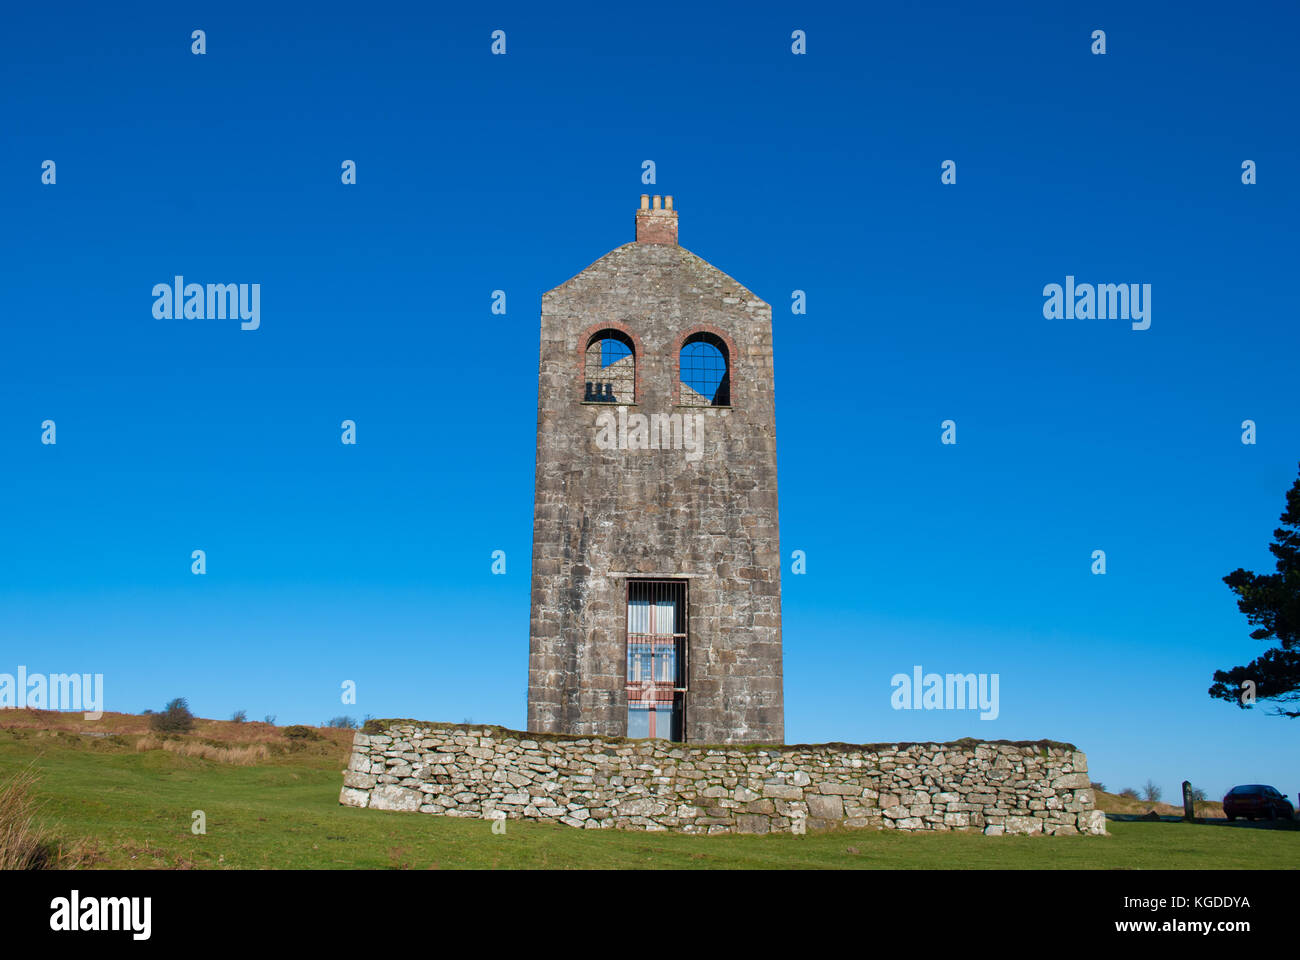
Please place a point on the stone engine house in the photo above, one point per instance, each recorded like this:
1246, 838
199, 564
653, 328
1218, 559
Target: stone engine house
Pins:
656, 582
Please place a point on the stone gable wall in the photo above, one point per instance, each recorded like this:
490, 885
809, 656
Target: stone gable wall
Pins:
605, 516
592, 782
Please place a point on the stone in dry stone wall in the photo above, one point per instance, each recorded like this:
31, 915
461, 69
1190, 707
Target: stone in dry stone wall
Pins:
593, 783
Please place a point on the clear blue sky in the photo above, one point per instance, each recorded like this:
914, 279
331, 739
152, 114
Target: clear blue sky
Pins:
821, 172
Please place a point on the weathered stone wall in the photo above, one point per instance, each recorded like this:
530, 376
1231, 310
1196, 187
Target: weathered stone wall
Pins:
604, 516
590, 782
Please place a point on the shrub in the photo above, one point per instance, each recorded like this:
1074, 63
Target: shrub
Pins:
299, 732
175, 718
1098, 785
342, 723
1129, 792
239, 716
1198, 795
269, 719
372, 726
24, 845
1151, 793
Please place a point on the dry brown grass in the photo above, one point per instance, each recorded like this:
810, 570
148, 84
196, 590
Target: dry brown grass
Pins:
130, 724
24, 843
56, 720
1114, 803
223, 741
244, 756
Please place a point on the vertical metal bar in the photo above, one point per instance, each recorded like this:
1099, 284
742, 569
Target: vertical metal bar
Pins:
686, 651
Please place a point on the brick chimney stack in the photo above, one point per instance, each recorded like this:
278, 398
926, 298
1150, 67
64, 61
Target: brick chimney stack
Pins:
657, 224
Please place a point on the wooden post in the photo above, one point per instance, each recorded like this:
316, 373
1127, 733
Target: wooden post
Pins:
1189, 807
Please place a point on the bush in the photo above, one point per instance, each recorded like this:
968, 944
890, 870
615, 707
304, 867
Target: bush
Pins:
341, 723
1098, 785
1198, 795
239, 716
1130, 793
269, 719
1151, 793
299, 732
372, 726
175, 718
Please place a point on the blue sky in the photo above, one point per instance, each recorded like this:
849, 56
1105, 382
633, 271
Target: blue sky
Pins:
819, 172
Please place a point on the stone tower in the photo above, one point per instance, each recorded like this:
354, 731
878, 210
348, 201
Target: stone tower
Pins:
656, 590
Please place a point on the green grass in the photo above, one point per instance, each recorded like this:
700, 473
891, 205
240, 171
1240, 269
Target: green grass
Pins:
135, 808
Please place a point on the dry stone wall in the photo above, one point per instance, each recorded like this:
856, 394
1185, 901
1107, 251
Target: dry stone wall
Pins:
594, 782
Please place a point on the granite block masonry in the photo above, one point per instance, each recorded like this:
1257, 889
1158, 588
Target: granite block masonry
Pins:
489, 772
656, 565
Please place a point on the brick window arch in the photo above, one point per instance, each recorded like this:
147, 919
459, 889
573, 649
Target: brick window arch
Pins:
609, 367
704, 370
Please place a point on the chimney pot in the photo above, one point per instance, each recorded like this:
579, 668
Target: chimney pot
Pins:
656, 222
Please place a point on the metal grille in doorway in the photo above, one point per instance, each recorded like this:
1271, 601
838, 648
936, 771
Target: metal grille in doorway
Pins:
656, 658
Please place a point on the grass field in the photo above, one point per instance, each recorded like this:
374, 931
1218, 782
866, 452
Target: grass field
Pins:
273, 803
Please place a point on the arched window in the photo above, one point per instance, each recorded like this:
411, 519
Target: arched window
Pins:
609, 368
705, 371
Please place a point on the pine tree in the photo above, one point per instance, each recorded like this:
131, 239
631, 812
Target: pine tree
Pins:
1271, 603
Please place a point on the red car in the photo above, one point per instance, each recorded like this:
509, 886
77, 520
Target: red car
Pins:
1256, 801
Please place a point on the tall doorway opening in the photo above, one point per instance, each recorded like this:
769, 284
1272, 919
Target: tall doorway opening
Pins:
656, 659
